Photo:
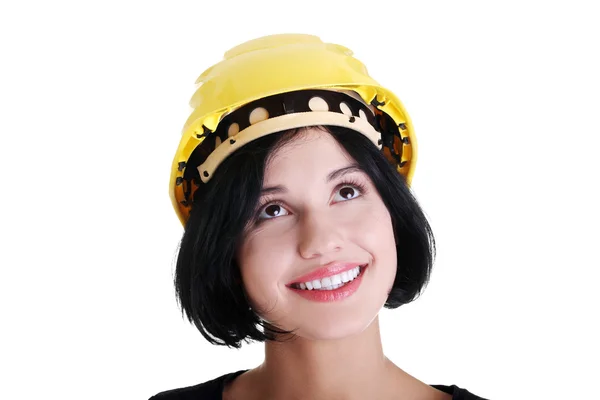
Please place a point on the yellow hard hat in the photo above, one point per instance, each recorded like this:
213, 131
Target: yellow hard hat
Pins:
257, 79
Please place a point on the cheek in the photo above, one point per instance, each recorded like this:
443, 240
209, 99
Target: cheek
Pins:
371, 227
372, 230
262, 265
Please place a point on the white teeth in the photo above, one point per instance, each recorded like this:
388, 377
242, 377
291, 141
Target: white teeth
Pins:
345, 277
331, 282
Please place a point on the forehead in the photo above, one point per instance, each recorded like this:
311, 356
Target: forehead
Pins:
313, 153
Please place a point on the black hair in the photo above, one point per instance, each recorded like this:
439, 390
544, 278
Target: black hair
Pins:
207, 279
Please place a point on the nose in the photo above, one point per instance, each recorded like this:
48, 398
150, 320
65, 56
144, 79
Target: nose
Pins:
318, 236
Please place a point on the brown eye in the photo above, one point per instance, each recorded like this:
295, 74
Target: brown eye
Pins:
348, 193
272, 211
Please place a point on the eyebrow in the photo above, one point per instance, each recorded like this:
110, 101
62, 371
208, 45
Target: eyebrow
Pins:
338, 173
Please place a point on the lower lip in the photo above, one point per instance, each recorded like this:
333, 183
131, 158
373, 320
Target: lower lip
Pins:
332, 295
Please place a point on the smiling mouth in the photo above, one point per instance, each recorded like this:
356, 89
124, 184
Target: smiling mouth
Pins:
332, 282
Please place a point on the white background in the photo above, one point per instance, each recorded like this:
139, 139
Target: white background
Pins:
505, 99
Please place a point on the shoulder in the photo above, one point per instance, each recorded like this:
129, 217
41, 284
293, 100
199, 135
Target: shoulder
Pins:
208, 390
457, 392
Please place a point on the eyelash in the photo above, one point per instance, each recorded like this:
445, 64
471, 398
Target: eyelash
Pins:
269, 201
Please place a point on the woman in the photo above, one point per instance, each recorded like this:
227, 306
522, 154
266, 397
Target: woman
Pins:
292, 181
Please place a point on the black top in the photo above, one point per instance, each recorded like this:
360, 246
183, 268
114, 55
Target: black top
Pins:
213, 390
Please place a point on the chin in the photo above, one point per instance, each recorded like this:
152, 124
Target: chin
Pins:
331, 328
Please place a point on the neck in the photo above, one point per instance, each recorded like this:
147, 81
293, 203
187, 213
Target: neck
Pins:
350, 368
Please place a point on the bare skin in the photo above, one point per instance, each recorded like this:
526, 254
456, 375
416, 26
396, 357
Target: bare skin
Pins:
313, 220
347, 369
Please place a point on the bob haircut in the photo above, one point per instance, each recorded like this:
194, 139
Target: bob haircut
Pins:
208, 282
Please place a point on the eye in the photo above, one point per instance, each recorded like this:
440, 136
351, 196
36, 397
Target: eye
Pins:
348, 192
271, 211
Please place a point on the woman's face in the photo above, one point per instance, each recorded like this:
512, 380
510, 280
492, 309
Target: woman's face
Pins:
312, 221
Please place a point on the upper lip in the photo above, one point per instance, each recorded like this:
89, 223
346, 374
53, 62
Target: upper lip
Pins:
333, 268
